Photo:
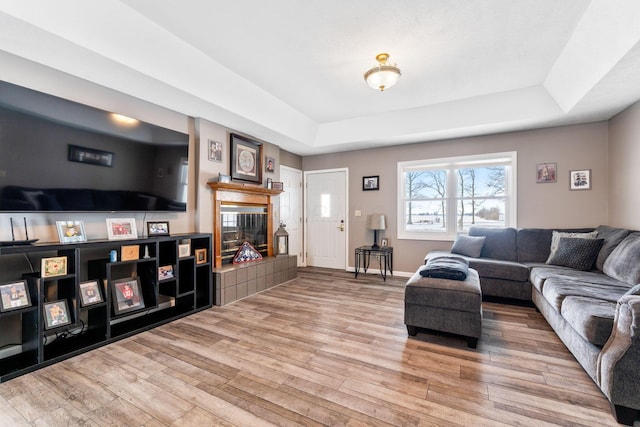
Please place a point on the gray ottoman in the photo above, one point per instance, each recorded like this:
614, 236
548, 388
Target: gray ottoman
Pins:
453, 306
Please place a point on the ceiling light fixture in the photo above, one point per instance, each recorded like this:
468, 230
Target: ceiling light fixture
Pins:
383, 75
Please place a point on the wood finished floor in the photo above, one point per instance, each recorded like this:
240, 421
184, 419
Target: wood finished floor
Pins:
323, 349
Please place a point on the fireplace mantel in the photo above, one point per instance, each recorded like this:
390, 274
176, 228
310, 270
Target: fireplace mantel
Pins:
225, 193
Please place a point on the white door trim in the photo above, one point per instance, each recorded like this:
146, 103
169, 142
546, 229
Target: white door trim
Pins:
346, 219
303, 260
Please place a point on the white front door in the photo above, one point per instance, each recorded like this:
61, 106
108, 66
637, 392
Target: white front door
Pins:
291, 209
326, 218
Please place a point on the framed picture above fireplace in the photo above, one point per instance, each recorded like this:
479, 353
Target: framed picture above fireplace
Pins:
246, 159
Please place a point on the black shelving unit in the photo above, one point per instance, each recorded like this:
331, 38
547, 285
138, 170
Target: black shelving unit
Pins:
94, 325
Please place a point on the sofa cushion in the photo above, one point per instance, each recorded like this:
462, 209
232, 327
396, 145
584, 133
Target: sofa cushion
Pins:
557, 235
576, 253
591, 318
533, 244
624, 261
498, 269
468, 245
541, 272
500, 243
556, 289
612, 238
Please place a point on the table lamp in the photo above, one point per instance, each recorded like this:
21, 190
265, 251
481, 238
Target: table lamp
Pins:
376, 222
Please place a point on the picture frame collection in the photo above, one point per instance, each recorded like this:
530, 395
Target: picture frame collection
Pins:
579, 179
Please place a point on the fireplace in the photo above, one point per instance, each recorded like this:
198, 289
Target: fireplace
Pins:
241, 213
242, 223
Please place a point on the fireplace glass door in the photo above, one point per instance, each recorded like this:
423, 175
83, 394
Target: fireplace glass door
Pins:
243, 223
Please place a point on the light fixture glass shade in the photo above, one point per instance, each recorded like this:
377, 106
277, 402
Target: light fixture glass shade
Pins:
383, 75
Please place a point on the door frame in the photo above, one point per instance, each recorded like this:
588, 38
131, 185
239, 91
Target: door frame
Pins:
346, 208
303, 259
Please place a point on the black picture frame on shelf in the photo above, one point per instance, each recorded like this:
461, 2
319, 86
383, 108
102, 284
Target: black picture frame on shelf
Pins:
90, 293
157, 228
127, 295
56, 314
14, 296
246, 159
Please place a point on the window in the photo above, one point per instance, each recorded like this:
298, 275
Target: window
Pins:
440, 198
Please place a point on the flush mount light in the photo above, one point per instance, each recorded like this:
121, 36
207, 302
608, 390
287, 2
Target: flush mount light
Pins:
383, 75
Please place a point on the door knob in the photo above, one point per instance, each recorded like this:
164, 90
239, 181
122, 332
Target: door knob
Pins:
341, 227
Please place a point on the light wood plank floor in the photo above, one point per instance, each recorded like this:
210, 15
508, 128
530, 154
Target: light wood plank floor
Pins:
323, 349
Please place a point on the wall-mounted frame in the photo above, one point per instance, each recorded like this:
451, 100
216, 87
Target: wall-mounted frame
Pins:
90, 156
71, 231
246, 159
201, 256
546, 173
126, 295
90, 293
121, 228
370, 183
52, 267
56, 314
14, 295
215, 151
269, 164
580, 179
158, 228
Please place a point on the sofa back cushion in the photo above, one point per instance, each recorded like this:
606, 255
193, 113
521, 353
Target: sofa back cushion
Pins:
470, 246
612, 238
534, 244
624, 262
499, 243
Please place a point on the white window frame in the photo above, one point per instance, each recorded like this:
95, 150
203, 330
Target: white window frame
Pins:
450, 164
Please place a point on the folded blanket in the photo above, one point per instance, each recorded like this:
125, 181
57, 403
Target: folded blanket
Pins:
452, 268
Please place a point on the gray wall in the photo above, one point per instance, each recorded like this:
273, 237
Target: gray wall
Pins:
624, 173
539, 205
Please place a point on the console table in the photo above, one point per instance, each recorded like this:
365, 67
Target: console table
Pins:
383, 253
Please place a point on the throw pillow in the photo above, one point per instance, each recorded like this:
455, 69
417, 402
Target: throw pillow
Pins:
576, 253
468, 246
623, 263
557, 235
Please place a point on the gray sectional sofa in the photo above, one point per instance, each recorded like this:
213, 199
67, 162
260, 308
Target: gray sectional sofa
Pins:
588, 291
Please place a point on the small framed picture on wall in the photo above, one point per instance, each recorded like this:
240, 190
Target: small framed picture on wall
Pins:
580, 179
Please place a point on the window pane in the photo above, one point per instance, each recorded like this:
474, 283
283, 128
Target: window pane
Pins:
425, 216
484, 181
425, 184
481, 212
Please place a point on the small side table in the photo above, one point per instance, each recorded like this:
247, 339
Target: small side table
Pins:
384, 255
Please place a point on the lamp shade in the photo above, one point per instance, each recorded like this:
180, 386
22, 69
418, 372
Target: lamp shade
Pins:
376, 222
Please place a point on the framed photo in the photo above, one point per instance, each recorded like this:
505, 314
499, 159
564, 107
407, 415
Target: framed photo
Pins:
52, 267
184, 250
121, 228
246, 159
14, 295
90, 293
165, 272
270, 164
126, 295
277, 185
71, 231
158, 228
90, 156
130, 253
56, 314
370, 183
580, 179
215, 151
384, 242
546, 172
201, 256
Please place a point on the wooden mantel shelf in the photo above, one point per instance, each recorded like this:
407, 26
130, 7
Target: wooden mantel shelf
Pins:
243, 188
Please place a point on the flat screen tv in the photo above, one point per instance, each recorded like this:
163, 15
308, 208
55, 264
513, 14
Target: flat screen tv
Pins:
58, 155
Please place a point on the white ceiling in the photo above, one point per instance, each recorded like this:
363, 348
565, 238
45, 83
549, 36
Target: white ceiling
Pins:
290, 71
